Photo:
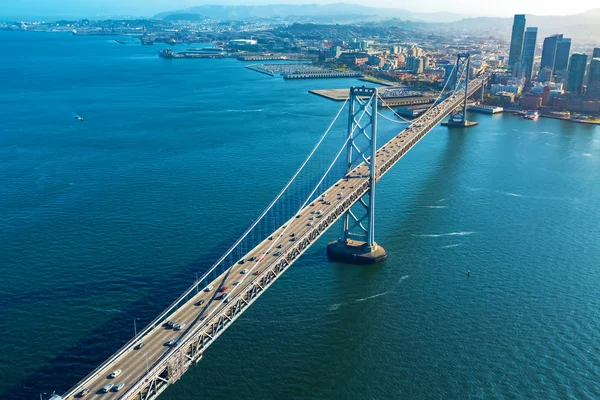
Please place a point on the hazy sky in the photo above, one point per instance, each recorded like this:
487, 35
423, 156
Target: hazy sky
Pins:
150, 7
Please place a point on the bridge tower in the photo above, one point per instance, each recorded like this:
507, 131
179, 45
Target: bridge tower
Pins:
357, 244
462, 68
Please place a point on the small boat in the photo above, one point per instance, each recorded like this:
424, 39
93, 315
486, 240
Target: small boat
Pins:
532, 115
78, 118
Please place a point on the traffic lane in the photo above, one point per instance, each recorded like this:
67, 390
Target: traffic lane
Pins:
154, 348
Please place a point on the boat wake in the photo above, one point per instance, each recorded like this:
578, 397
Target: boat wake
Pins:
227, 110
512, 194
104, 310
435, 235
450, 246
435, 206
587, 154
336, 306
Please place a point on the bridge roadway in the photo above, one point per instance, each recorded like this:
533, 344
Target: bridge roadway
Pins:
147, 372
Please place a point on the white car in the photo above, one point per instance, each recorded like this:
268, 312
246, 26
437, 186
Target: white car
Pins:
107, 388
119, 387
115, 373
179, 327
245, 271
208, 288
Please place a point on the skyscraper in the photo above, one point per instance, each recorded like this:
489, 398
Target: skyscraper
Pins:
516, 40
596, 53
529, 51
577, 73
593, 86
549, 51
594, 76
563, 48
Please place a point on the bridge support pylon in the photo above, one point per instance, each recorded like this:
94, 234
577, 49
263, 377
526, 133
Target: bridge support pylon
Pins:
356, 244
458, 119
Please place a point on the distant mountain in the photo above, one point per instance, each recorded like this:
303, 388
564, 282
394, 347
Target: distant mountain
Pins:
331, 12
582, 27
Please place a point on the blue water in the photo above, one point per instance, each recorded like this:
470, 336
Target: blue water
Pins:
109, 219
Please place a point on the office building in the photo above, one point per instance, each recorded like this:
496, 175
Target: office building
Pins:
549, 51
449, 75
593, 86
594, 75
596, 53
576, 75
516, 40
529, 44
563, 49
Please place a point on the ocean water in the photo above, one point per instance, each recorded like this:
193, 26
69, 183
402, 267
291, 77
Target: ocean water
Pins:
109, 219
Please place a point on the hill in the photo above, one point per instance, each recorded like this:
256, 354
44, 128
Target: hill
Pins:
327, 12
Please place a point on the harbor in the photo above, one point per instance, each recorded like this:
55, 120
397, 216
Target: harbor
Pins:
485, 109
301, 71
192, 53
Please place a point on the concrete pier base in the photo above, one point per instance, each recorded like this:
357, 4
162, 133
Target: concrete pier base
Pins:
355, 252
465, 124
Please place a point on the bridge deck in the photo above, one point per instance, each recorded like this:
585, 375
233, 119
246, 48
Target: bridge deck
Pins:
135, 363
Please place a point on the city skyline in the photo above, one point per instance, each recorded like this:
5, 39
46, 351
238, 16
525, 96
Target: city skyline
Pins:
146, 8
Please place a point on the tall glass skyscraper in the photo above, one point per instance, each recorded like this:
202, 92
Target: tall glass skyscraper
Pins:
594, 76
577, 67
529, 51
596, 53
563, 48
516, 40
549, 51
593, 86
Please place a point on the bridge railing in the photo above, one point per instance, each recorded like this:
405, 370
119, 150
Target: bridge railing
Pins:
161, 317
127, 346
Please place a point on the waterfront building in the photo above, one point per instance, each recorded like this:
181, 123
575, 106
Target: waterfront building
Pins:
354, 59
531, 101
549, 51
563, 49
243, 42
596, 52
504, 98
514, 89
516, 40
593, 86
529, 44
576, 76
546, 96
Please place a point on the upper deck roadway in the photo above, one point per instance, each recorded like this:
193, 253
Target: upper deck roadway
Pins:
146, 372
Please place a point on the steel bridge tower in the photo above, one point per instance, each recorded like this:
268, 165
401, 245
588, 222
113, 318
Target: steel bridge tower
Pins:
357, 239
462, 72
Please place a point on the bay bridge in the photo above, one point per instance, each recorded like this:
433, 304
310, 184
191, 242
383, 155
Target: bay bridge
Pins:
165, 349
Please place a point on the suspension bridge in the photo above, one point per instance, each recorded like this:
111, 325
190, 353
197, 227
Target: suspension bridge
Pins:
164, 350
